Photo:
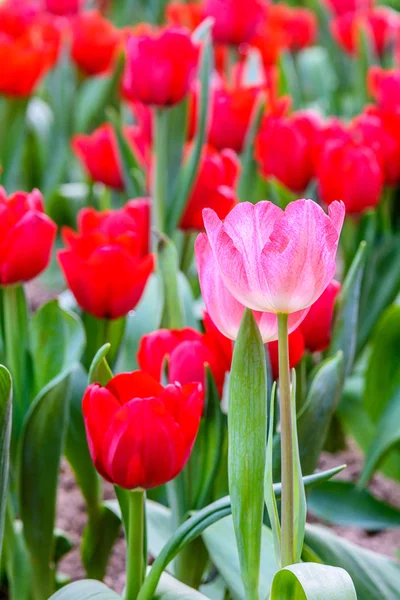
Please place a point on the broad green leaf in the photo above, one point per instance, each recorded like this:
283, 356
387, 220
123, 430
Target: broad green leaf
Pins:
387, 437
5, 437
269, 494
345, 327
76, 446
100, 371
366, 58
17, 562
358, 508
189, 173
99, 537
318, 409
312, 581
380, 286
375, 577
208, 448
159, 526
170, 588
41, 450
221, 545
247, 429
177, 121
299, 504
87, 589
169, 269
57, 341
12, 141
145, 318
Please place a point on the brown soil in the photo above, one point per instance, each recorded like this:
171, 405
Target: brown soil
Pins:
72, 518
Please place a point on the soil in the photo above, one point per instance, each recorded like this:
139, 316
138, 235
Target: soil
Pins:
72, 518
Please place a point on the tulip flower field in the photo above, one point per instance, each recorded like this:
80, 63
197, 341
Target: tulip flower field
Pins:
199, 300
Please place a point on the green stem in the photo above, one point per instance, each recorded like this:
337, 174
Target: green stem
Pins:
15, 326
287, 517
100, 332
160, 176
135, 563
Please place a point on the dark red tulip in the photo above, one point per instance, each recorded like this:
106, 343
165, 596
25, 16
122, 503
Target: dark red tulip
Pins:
316, 327
214, 187
27, 236
107, 263
95, 42
296, 351
99, 153
382, 25
284, 148
141, 434
160, 67
360, 184
186, 352
234, 23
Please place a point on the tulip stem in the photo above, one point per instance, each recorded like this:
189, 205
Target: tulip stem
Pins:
160, 172
135, 563
287, 517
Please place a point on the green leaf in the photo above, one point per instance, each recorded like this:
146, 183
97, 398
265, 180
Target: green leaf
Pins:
208, 447
41, 450
170, 588
5, 437
99, 332
62, 544
146, 318
85, 590
189, 172
57, 342
316, 414
317, 76
221, 545
312, 581
269, 494
249, 165
344, 334
133, 176
380, 287
177, 122
98, 540
247, 428
288, 79
169, 269
159, 526
12, 141
375, 577
100, 371
17, 561
358, 508
299, 505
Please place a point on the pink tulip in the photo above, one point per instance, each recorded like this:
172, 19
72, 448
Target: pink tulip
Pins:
272, 260
224, 310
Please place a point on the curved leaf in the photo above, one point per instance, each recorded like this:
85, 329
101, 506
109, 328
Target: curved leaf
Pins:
170, 588
5, 437
312, 581
87, 589
100, 371
98, 540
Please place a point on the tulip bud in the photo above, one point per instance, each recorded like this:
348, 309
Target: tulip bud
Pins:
316, 327
160, 67
141, 434
95, 43
107, 264
27, 236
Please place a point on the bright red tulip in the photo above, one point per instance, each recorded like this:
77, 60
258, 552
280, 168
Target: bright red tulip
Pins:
64, 8
381, 24
187, 352
302, 28
384, 86
99, 153
17, 16
27, 236
316, 327
332, 129
214, 187
360, 183
107, 263
25, 59
284, 148
340, 7
160, 67
141, 434
95, 42
296, 351
234, 23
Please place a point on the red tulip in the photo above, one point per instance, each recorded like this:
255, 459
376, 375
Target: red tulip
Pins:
189, 14
107, 263
141, 434
301, 25
214, 187
234, 23
160, 67
296, 351
25, 59
349, 171
27, 236
384, 86
316, 327
95, 42
332, 129
63, 7
100, 156
340, 7
381, 24
284, 148
17, 16
187, 352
